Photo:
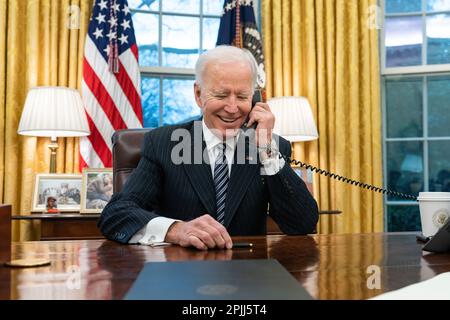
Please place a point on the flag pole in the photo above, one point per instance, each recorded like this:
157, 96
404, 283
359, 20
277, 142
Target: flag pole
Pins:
238, 36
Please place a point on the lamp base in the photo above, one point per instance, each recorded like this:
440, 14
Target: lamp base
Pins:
53, 146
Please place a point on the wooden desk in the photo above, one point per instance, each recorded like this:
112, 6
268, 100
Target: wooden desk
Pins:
328, 266
65, 226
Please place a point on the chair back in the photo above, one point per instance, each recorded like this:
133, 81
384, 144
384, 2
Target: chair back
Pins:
126, 152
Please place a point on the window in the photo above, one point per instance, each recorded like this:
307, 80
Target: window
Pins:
416, 104
416, 33
170, 35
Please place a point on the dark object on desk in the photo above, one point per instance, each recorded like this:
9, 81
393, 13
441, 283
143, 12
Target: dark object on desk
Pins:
422, 238
238, 245
5, 232
216, 280
440, 242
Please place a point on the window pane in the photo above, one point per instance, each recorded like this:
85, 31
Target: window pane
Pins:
396, 6
439, 106
178, 101
403, 41
405, 167
438, 38
404, 107
180, 41
183, 6
144, 4
210, 32
438, 5
213, 7
439, 159
403, 218
146, 30
150, 101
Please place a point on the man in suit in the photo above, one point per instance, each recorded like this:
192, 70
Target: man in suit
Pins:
200, 182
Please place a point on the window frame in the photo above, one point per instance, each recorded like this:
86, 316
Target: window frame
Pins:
424, 68
424, 71
164, 72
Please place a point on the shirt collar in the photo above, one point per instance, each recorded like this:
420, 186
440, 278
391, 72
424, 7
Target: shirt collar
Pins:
212, 140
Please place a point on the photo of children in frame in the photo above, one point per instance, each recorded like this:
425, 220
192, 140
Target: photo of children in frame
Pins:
97, 189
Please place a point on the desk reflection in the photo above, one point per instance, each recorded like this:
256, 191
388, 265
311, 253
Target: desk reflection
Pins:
328, 266
73, 274
130, 259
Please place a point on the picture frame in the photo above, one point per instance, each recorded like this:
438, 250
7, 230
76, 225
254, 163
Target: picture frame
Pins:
57, 193
96, 190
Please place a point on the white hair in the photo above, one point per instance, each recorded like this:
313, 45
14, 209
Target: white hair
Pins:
224, 53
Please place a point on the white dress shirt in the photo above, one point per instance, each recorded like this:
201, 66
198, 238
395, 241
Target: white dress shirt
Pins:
156, 229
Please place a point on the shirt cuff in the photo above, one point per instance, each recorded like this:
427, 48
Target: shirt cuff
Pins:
154, 232
271, 164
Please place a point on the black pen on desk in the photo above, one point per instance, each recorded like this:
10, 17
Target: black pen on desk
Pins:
242, 245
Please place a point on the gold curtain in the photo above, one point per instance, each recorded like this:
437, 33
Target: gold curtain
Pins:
327, 51
41, 43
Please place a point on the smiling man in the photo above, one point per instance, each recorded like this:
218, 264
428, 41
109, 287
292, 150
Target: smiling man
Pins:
202, 204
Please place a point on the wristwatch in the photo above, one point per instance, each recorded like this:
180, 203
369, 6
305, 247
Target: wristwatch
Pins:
267, 149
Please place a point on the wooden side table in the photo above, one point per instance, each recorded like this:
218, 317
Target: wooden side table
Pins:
65, 226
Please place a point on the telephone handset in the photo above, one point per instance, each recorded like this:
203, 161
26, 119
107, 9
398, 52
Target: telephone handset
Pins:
257, 97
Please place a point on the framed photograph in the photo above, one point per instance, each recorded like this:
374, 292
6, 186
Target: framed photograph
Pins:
97, 189
57, 193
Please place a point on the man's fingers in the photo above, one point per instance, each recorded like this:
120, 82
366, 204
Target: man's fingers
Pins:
253, 117
196, 242
210, 232
216, 235
222, 230
225, 236
206, 238
265, 106
228, 241
261, 107
250, 122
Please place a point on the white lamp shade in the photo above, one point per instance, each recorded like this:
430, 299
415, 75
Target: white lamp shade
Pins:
294, 120
53, 112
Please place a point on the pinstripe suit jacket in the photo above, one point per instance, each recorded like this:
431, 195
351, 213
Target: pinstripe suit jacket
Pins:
159, 187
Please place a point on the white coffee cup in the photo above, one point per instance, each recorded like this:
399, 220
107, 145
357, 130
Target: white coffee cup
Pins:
434, 211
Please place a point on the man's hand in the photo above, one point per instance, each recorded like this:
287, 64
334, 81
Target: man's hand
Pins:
203, 233
265, 120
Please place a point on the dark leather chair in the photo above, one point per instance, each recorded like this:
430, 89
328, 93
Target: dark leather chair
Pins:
126, 152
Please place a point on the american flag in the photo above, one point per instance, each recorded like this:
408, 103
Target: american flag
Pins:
238, 28
111, 80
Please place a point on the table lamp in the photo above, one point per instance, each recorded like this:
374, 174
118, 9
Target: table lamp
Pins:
53, 112
294, 120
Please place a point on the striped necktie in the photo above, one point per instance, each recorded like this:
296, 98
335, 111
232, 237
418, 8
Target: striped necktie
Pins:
221, 182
